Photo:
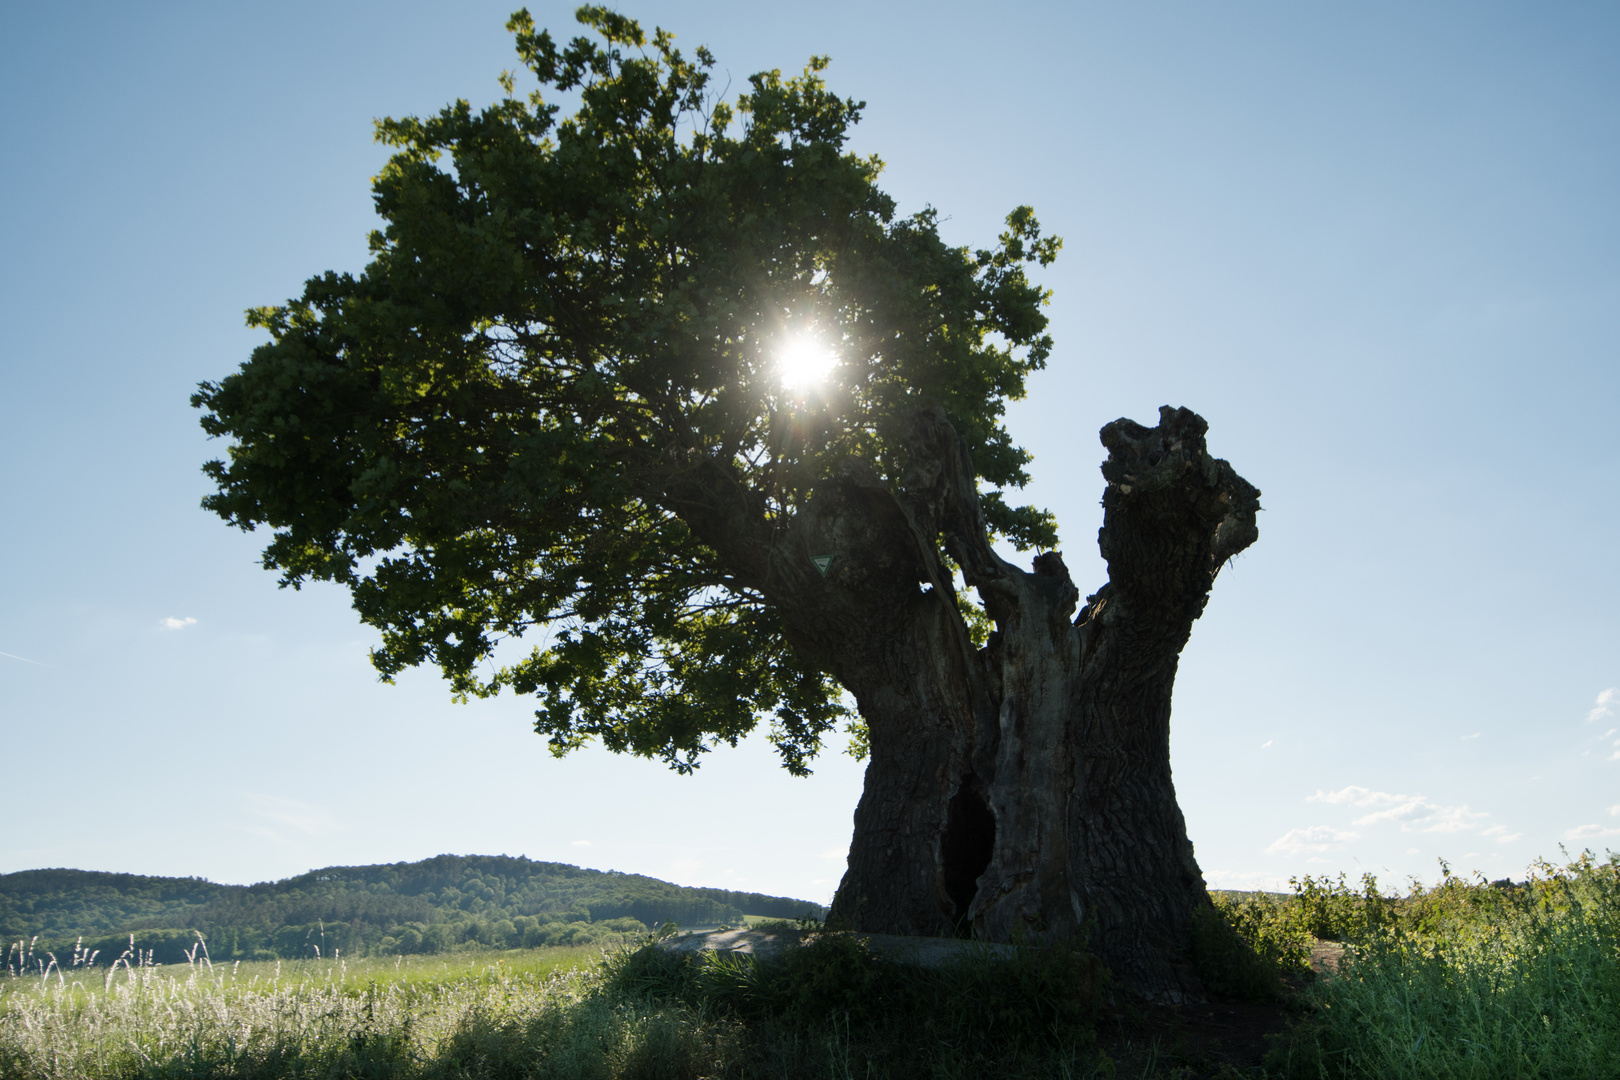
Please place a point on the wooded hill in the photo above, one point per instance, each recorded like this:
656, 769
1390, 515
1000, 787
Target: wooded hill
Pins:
449, 902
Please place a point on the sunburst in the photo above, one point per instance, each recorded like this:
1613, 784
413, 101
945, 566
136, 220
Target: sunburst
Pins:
805, 363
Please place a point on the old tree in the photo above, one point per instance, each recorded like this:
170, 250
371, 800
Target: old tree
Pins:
667, 385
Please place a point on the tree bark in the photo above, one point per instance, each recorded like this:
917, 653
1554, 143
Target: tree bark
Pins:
1050, 795
1019, 791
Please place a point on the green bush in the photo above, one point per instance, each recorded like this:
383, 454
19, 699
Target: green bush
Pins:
1474, 981
982, 1005
1248, 946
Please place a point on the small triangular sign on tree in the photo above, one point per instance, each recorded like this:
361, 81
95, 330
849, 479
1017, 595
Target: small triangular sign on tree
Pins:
822, 562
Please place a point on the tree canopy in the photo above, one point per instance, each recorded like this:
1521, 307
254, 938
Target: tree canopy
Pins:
491, 433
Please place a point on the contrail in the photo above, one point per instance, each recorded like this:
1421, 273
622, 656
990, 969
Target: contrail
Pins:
24, 659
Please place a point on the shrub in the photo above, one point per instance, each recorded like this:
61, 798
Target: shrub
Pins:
982, 1006
1249, 946
1473, 981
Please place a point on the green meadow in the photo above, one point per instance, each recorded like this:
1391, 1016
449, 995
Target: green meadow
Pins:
1466, 979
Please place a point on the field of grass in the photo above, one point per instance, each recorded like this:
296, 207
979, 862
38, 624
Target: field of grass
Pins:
1464, 980
279, 1018
833, 1011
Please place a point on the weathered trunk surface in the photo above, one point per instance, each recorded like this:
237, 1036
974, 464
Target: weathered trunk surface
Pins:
1022, 789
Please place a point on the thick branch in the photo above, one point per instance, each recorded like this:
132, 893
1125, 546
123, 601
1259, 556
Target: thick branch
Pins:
941, 493
1173, 515
877, 557
722, 512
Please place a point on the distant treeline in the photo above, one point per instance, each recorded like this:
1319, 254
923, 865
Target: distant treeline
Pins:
445, 903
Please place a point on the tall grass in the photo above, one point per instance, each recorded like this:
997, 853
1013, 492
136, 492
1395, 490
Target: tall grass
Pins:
281, 1019
1464, 980
834, 1011
1467, 980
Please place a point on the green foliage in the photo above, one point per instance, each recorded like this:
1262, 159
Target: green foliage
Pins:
1471, 980
982, 1007
1247, 946
444, 904
1466, 980
640, 1014
565, 316
65, 902
1332, 911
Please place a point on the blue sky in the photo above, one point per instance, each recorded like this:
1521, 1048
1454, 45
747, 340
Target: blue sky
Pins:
1377, 248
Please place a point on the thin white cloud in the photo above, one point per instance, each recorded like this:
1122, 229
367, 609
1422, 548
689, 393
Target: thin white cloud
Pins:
24, 659
1500, 834
1267, 743
1405, 812
1313, 839
1589, 832
278, 816
172, 623
1357, 796
835, 853
1413, 850
1614, 811
1475, 735
1607, 704
1450, 819
580, 843
1418, 814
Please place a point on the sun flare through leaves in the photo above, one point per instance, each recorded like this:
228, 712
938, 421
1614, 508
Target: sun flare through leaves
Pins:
805, 363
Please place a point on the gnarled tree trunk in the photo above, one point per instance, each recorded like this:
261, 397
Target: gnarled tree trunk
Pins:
1023, 787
